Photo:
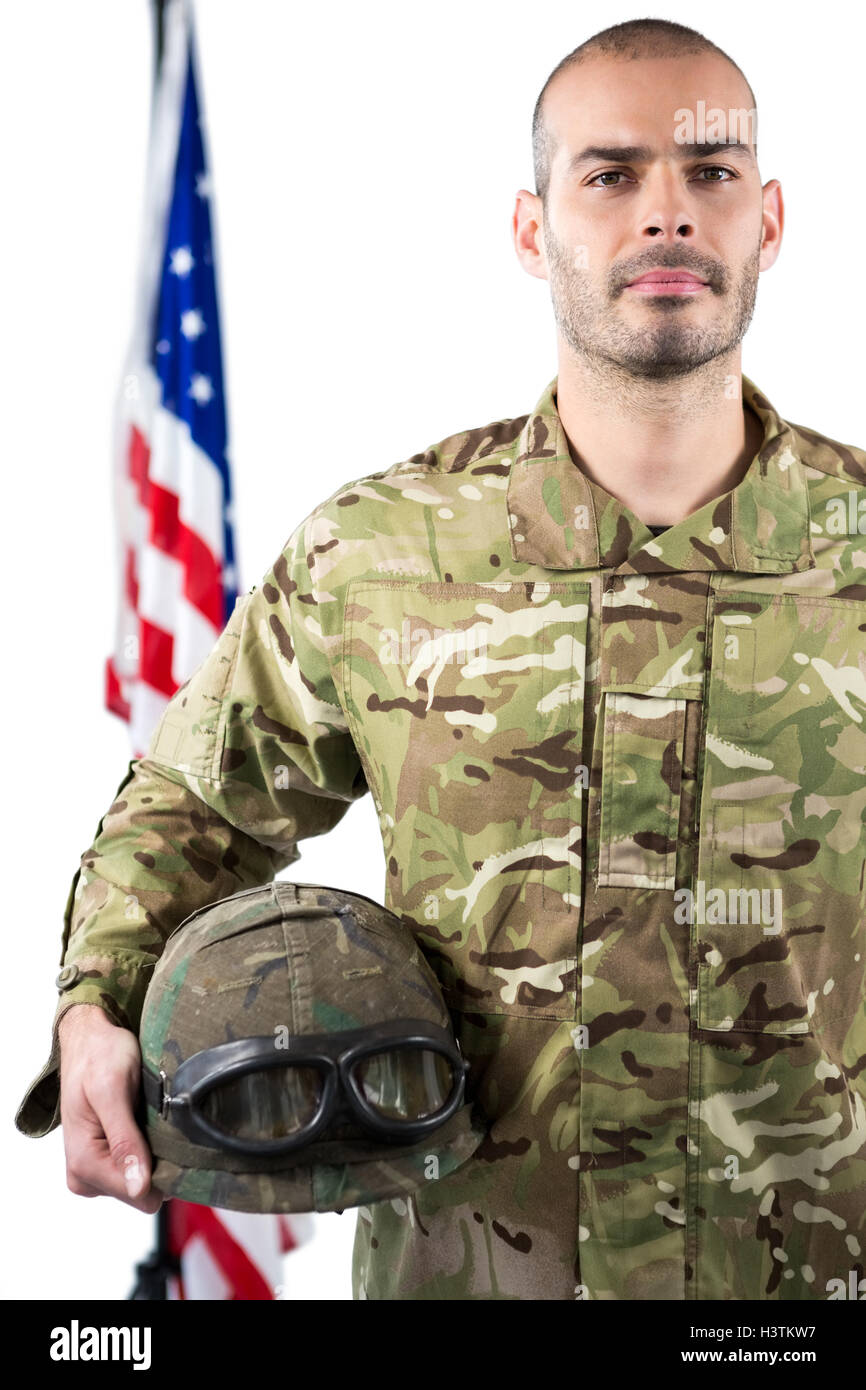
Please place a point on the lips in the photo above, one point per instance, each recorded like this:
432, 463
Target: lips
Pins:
668, 282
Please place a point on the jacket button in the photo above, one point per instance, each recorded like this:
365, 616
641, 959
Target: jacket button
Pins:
69, 976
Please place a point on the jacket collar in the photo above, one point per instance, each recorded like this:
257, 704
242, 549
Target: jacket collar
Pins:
560, 519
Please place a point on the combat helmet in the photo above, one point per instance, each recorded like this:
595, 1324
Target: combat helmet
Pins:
297, 1055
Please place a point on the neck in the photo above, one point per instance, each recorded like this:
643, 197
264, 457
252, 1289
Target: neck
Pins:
663, 448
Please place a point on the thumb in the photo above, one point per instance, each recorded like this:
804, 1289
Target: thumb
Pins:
126, 1144
136, 1174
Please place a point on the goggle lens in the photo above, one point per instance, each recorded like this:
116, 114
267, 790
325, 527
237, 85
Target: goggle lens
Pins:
273, 1103
405, 1083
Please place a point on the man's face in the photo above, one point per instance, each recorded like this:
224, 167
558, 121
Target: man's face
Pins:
611, 219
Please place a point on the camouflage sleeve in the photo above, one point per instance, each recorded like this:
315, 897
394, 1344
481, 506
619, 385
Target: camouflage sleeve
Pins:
251, 755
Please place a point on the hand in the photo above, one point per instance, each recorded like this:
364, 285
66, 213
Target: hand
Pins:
100, 1073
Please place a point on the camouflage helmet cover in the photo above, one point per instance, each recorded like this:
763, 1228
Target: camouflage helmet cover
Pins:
258, 962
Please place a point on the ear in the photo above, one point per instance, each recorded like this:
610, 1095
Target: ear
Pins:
527, 226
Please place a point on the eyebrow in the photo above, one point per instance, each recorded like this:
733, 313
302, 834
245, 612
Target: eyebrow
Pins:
642, 154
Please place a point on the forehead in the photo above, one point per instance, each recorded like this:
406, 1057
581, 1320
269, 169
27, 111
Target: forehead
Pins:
618, 101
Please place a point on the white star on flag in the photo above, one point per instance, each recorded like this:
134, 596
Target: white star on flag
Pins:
200, 389
182, 261
192, 323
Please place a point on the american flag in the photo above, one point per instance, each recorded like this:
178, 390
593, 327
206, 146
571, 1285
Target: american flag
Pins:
176, 553
175, 544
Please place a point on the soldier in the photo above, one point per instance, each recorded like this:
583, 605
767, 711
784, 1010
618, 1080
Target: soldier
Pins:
602, 667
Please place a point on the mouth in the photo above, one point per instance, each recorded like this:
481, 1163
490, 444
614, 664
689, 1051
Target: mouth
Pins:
678, 282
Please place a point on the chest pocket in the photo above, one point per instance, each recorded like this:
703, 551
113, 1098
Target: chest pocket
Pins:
779, 900
466, 703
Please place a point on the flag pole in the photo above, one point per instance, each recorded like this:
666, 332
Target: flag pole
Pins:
153, 1273
159, 35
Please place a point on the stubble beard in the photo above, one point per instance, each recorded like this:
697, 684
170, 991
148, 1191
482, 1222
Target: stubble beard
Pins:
667, 346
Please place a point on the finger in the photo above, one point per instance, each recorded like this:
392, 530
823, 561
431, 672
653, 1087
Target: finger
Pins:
113, 1106
79, 1187
149, 1203
92, 1172
105, 1148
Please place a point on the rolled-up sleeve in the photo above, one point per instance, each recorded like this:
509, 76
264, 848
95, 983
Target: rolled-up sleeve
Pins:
250, 756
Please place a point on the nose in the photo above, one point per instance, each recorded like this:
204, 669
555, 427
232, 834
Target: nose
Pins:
664, 214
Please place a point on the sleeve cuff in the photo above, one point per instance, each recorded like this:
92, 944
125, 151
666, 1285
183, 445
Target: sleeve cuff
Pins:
83, 981
39, 1112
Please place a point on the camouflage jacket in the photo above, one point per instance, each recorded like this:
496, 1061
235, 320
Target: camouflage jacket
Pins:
621, 784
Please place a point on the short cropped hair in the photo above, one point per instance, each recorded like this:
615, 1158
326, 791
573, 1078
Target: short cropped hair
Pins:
635, 38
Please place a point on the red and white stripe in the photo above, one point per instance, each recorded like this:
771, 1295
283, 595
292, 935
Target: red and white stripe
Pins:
226, 1255
169, 506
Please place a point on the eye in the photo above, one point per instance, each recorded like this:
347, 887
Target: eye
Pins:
607, 174
716, 169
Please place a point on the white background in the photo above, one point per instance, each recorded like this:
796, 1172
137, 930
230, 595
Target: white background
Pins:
365, 161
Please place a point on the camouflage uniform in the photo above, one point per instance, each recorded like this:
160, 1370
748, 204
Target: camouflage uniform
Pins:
564, 722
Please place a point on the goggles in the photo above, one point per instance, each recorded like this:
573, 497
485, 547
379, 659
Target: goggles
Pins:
398, 1080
